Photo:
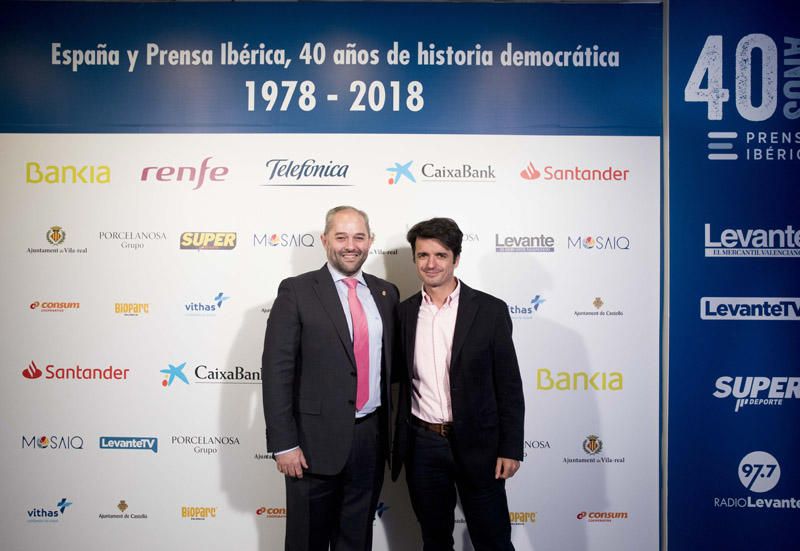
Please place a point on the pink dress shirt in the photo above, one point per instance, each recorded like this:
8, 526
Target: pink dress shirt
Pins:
430, 398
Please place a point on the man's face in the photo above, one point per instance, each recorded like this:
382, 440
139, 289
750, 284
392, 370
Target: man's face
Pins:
347, 242
435, 263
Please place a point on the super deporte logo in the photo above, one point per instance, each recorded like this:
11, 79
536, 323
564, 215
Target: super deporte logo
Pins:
757, 391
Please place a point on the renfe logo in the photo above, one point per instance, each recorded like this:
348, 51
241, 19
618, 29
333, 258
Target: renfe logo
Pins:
750, 308
185, 173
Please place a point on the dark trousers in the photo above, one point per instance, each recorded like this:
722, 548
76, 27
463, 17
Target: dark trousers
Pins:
337, 511
433, 476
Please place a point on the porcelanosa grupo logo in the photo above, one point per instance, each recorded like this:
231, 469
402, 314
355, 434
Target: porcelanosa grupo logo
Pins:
306, 173
759, 472
757, 391
204, 444
749, 242
76, 373
575, 173
132, 240
401, 171
195, 176
535, 446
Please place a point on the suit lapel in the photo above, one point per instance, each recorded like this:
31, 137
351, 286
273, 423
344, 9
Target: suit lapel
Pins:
329, 298
410, 321
467, 309
379, 296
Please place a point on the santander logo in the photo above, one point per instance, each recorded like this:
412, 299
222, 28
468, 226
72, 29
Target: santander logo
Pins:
32, 372
530, 172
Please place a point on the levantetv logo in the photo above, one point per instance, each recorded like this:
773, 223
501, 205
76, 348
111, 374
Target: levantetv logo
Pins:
757, 391
752, 242
306, 173
41, 514
129, 443
750, 308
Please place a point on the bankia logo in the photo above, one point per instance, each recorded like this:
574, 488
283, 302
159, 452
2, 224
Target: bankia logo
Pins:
208, 240
271, 512
132, 240
206, 308
599, 242
400, 171
193, 175
757, 391
593, 450
283, 240
459, 172
38, 173
759, 473
574, 173
44, 514
53, 442
199, 513
525, 310
76, 373
578, 381
284, 172
54, 306
524, 243
750, 308
135, 443
56, 236
749, 242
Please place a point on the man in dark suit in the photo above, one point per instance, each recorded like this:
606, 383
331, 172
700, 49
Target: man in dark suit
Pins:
461, 407
326, 371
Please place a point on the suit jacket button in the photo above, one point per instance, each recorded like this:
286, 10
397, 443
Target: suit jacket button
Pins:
351, 402
353, 373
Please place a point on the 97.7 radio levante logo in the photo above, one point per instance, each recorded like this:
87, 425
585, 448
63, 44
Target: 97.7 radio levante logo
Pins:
760, 94
759, 472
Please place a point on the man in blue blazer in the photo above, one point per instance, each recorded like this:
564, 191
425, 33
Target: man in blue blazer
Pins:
326, 371
461, 408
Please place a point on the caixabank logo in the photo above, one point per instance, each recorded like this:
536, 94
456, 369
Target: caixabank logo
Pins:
203, 374
50, 515
752, 242
578, 381
750, 308
442, 172
759, 473
574, 173
77, 373
757, 391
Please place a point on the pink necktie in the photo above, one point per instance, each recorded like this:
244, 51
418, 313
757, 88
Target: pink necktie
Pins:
360, 342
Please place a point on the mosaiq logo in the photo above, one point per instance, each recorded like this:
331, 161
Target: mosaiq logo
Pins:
53, 442
749, 242
195, 176
599, 242
283, 240
759, 473
306, 173
757, 391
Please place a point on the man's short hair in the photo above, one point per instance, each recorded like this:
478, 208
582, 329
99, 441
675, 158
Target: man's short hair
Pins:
442, 229
340, 208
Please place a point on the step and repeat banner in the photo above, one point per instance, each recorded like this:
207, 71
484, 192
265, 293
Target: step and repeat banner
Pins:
734, 376
164, 166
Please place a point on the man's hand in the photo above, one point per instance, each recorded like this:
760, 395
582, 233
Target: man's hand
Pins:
505, 468
291, 463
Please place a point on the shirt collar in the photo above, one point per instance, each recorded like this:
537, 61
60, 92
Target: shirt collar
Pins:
339, 276
450, 298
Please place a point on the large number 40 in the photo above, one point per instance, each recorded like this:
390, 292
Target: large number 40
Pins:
709, 63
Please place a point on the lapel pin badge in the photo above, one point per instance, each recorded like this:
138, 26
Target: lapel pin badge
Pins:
383, 293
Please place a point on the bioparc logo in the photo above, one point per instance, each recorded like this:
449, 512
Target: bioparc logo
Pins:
525, 311
131, 309
53, 442
574, 173
76, 373
749, 242
196, 176
306, 173
56, 236
283, 240
271, 512
759, 472
521, 518
208, 241
206, 308
128, 443
592, 447
54, 306
750, 308
202, 374
757, 391
42, 514
198, 513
